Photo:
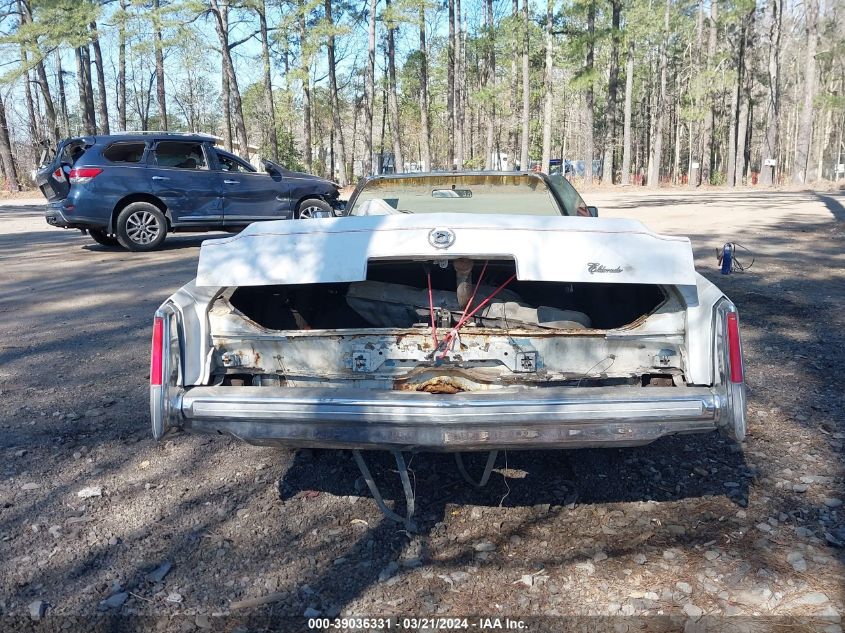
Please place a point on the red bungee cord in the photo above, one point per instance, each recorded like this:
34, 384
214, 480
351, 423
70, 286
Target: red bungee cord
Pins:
431, 311
454, 331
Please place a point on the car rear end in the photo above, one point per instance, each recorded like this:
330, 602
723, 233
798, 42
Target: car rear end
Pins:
56, 176
498, 344
88, 176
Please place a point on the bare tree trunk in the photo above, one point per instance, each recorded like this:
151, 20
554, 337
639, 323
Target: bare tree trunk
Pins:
392, 98
526, 88
460, 114
730, 172
588, 97
694, 128
707, 141
307, 150
739, 107
32, 118
804, 133
742, 134
89, 89
612, 90
742, 124
369, 102
6, 155
769, 151
626, 133
354, 143
121, 67
60, 79
41, 75
226, 98
338, 128
824, 134
676, 164
221, 25
656, 157
490, 82
450, 91
41, 78
288, 92
513, 128
88, 126
425, 149
383, 113
159, 60
272, 135
102, 106
547, 89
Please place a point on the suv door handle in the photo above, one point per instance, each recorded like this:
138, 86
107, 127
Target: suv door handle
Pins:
231, 182
160, 178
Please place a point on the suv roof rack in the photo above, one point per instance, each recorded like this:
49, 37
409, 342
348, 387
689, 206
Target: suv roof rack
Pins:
152, 132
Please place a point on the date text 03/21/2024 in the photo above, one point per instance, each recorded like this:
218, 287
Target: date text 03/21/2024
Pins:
414, 623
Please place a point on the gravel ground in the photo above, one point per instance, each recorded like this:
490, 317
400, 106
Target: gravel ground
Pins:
96, 518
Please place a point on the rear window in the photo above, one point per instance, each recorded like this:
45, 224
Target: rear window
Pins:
180, 154
505, 194
73, 151
124, 152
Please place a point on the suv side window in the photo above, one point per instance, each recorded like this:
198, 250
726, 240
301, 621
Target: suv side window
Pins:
180, 154
125, 152
231, 164
573, 202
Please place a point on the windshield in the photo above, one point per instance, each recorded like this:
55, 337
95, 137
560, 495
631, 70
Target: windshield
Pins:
507, 194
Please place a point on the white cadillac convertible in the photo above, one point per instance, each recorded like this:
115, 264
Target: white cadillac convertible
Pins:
449, 312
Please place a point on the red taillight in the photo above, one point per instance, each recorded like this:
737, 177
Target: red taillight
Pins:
734, 348
59, 174
157, 353
84, 174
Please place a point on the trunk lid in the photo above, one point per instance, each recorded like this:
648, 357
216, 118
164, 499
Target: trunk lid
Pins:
557, 249
52, 177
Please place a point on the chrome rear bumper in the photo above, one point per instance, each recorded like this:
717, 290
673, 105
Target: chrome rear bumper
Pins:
516, 419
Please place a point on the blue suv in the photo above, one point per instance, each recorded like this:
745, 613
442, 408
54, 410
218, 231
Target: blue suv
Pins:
132, 189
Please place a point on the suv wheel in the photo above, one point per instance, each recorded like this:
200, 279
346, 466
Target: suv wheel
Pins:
141, 226
314, 208
101, 237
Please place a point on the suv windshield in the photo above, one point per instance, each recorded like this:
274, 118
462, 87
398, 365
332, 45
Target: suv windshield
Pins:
508, 194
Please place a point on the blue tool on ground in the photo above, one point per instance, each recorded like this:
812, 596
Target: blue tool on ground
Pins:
727, 258
728, 261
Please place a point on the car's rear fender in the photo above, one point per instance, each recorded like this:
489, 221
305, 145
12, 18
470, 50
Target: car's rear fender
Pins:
137, 197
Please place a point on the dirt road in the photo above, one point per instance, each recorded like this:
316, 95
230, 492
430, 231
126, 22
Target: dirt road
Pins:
92, 511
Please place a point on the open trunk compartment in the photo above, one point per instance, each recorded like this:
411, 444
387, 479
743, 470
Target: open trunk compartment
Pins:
377, 333
395, 295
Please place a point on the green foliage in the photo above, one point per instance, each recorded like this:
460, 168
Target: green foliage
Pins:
258, 118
